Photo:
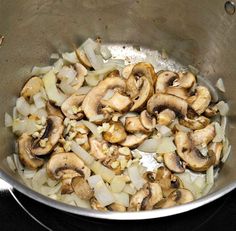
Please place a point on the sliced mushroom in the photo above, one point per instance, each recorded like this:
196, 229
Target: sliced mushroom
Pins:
164, 80
82, 188
53, 110
127, 71
97, 148
83, 58
25, 156
211, 111
155, 195
159, 101
133, 141
60, 163
134, 125
186, 79
118, 102
32, 86
196, 123
115, 134
81, 73
173, 162
147, 120
66, 179
91, 104
96, 205
200, 101
52, 133
116, 207
71, 107
216, 148
203, 136
165, 117
177, 91
187, 152
114, 73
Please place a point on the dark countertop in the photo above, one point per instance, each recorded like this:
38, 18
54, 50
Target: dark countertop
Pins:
218, 215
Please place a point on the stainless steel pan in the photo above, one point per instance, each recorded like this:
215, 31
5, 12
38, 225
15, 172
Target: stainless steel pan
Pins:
195, 32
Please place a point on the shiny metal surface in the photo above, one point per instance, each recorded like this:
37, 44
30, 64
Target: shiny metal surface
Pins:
199, 33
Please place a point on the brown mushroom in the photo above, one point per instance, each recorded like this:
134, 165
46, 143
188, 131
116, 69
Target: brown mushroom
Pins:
134, 125
115, 134
133, 141
96, 205
97, 148
196, 123
83, 58
186, 79
216, 148
81, 73
54, 110
147, 120
164, 80
116, 207
165, 117
177, 91
173, 162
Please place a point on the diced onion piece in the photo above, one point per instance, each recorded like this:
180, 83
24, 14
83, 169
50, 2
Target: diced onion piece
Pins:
135, 177
22, 106
101, 192
39, 179
54, 56
130, 189
28, 173
219, 133
47, 191
83, 154
51, 183
40, 70
38, 101
41, 113
105, 52
117, 184
14, 113
97, 118
203, 150
165, 145
58, 65
223, 108
108, 94
182, 128
149, 145
129, 114
207, 189
24, 126
66, 87
52, 91
92, 80
81, 203
93, 128
210, 175
164, 130
220, 85
8, 120
83, 90
226, 154
70, 57
18, 164
11, 163
99, 169
67, 73
121, 198
187, 182
200, 182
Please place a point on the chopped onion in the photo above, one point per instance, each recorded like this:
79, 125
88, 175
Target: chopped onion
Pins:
223, 108
203, 150
226, 154
84, 90
121, 198
58, 65
40, 70
105, 52
129, 114
82, 153
149, 145
223, 123
93, 128
67, 73
117, 184
81, 203
210, 175
41, 113
52, 91
182, 128
200, 182
28, 126
28, 173
54, 56
164, 130
135, 177
66, 88
22, 106
207, 189
19, 166
220, 85
165, 145
92, 80
219, 133
130, 189
39, 179
11, 163
14, 113
108, 94
47, 191
51, 183
70, 57
38, 100
8, 120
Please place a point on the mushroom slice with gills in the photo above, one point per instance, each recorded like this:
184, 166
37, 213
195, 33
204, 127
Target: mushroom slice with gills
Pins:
173, 162
54, 110
203, 136
66, 179
211, 111
216, 148
147, 120
200, 101
118, 102
186, 79
192, 156
82, 188
177, 91
116, 207
178, 197
134, 125
116, 133
81, 73
164, 80
52, 133
91, 104
69, 162
165, 117
83, 58
97, 148
32, 86
155, 195
96, 205
133, 141
160, 101
25, 156
196, 123
71, 107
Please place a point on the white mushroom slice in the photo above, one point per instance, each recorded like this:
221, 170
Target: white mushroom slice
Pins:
118, 102
115, 134
91, 104
165, 117
200, 101
71, 107
32, 87
155, 196
53, 110
66, 179
25, 156
82, 188
127, 71
81, 73
177, 91
203, 136
59, 163
83, 58
133, 141
186, 79
52, 133
164, 80
196, 123
173, 162
116, 207
216, 148
187, 152
159, 101
134, 125
147, 120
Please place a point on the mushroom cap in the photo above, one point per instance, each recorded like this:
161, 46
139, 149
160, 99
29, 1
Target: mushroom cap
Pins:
177, 91
165, 117
196, 123
164, 80
81, 73
74, 101
134, 125
133, 141
91, 104
160, 101
25, 156
53, 131
147, 120
173, 162
54, 110
60, 163
83, 58
187, 152
186, 79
